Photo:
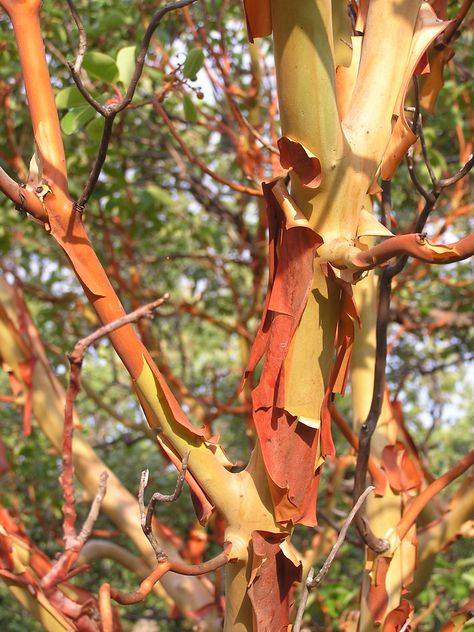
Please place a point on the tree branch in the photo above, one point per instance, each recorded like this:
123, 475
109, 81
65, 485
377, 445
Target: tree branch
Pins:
146, 513
197, 161
429, 492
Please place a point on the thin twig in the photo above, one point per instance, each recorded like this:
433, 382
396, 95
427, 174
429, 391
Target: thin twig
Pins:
447, 182
267, 144
341, 537
323, 516
197, 161
146, 513
94, 174
414, 177
93, 514
110, 111
311, 581
426, 157
416, 122
106, 592
145, 311
367, 429
144, 47
82, 47
60, 572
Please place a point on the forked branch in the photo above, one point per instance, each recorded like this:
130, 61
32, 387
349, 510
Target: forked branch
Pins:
73, 543
146, 513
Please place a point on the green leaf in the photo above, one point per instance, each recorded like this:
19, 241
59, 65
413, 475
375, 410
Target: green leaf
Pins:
190, 113
126, 64
111, 20
193, 64
161, 196
95, 128
76, 118
69, 97
101, 66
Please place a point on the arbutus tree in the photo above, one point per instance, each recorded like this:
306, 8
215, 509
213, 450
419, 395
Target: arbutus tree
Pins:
352, 81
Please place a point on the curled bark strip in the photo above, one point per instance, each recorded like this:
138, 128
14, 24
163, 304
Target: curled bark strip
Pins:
259, 18
427, 28
399, 618
283, 439
294, 155
402, 472
272, 576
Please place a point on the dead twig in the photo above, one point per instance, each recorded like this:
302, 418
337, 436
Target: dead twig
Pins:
311, 581
146, 513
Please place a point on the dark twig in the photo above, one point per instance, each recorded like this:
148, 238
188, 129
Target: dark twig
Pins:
426, 157
98, 107
98, 163
385, 287
143, 50
450, 31
414, 177
146, 513
311, 581
367, 429
447, 182
110, 111
416, 123
322, 515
